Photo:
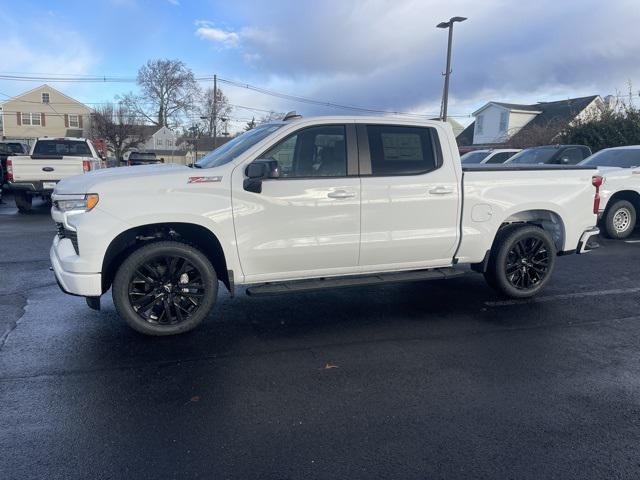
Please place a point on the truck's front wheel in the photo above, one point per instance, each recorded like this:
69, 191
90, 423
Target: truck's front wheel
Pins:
165, 288
23, 201
521, 261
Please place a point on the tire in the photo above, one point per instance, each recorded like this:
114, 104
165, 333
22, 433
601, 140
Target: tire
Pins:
23, 201
620, 219
155, 277
521, 261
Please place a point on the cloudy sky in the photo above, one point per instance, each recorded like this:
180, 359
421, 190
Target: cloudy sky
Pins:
382, 54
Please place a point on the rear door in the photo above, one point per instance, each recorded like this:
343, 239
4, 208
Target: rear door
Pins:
306, 222
410, 198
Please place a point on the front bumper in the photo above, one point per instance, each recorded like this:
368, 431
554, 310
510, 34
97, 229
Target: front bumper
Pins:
584, 245
83, 284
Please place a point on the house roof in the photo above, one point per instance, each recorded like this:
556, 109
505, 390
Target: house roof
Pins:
466, 136
41, 87
558, 113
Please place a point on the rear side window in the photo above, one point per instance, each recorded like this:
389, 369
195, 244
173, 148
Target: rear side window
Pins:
397, 150
61, 147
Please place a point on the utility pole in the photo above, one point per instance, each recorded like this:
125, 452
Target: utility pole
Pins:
447, 74
215, 111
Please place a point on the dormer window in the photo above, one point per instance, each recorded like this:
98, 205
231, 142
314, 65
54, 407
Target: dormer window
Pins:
45, 97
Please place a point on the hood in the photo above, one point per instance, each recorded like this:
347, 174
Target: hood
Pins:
92, 181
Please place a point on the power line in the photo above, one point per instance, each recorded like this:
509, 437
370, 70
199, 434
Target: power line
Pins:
264, 91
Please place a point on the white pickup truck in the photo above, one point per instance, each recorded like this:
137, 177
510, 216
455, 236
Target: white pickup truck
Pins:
620, 192
305, 204
50, 160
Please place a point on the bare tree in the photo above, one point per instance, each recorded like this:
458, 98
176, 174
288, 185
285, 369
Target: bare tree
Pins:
270, 117
168, 89
216, 114
119, 126
250, 125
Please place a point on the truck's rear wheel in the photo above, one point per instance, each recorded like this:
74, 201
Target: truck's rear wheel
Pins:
521, 261
23, 201
620, 219
165, 288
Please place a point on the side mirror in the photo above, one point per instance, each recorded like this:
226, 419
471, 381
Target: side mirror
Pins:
257, 171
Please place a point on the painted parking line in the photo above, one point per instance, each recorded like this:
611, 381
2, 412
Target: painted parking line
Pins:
632, 241
564, 296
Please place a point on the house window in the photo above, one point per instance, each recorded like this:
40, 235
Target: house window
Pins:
45, 97
30, 119
479, 124
158, 142
169, 142
504, 118
74, 121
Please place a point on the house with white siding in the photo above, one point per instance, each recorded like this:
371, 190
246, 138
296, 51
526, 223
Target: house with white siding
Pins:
44, 112
499, 123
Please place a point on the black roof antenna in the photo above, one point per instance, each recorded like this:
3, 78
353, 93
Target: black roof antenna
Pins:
292, 115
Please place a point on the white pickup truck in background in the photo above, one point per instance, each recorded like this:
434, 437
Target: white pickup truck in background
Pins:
620, 191
50, 160
305, 204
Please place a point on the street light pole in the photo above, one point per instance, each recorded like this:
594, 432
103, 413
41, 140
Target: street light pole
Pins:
447, 74
215, 111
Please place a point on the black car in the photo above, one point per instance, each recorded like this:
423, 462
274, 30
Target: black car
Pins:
7, 149
551, 155
143, 158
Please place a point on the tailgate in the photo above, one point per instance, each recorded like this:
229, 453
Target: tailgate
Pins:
26, 169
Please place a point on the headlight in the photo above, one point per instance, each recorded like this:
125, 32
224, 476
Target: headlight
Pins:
81, 203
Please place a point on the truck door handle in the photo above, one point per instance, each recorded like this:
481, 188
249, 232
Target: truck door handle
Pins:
341, 194
441, 190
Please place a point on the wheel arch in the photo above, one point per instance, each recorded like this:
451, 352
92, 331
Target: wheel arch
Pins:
629, 195
548, 220
197, 235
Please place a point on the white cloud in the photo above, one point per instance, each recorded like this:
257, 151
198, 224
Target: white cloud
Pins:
207, 31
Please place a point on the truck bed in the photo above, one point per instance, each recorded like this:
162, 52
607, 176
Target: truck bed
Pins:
563, 194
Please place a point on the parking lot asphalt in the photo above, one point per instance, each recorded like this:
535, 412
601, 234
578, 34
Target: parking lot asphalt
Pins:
420, 380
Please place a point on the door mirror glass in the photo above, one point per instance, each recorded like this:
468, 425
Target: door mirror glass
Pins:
257, 171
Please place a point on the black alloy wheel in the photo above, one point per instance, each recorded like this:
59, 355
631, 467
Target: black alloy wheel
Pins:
527, 263
166, 290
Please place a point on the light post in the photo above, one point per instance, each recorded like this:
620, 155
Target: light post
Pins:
445, 93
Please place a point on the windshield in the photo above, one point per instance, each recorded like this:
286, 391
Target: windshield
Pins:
625, 158
473, 157
12, 148
534, 155
62, 147
237, 146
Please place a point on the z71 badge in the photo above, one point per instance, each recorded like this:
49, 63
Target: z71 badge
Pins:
204, 179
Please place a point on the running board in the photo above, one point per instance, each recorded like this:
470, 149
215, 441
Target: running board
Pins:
352, 281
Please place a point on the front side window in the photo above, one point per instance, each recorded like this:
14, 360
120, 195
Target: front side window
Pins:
571, 156
74, 121
312, 152
399, 150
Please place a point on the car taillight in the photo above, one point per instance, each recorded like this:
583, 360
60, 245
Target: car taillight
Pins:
9, 170
86, 166
597, 182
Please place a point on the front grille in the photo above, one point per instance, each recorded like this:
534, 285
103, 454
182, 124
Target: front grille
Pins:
71, 235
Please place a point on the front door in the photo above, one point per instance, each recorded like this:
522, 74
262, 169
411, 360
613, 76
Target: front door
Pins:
305, 223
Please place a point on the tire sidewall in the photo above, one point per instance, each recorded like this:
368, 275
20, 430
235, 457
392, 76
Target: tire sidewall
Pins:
120, 287
500, 259
611, 213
